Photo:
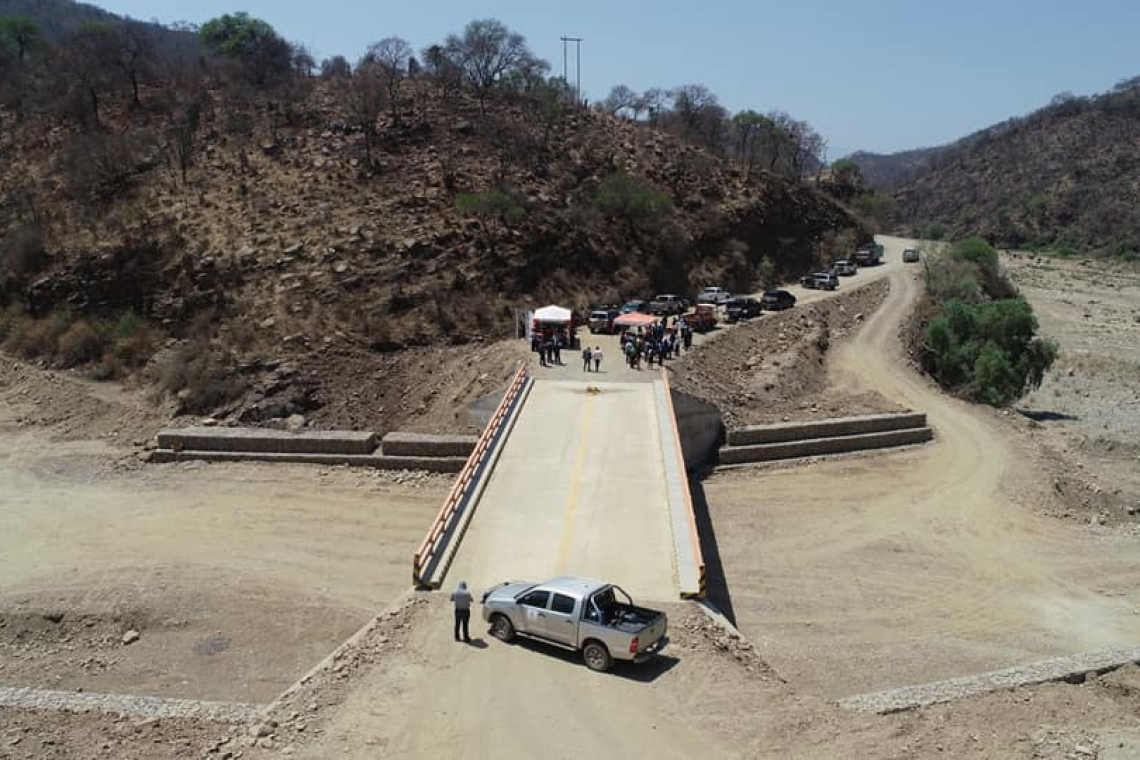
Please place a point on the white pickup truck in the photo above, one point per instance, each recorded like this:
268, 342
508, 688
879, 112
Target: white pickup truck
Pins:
580, 614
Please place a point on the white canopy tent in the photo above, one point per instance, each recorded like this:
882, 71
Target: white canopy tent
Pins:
552, 315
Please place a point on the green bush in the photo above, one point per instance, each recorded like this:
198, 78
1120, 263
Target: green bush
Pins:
989, 350
628, 198
977, 251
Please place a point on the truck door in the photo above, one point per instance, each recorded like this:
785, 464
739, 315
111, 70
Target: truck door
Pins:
533, 607
562, 620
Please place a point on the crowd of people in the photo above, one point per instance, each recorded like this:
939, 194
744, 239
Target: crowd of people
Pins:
655, 344
651, 344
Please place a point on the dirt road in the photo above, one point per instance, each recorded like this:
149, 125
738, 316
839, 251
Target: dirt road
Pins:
892, 568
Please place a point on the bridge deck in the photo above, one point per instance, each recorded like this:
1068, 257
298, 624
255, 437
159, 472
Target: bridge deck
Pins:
580, 489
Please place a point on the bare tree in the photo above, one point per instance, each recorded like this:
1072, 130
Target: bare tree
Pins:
622, 98
485, 52
441, 67
366, 101
133, 53
336, 67
390, 56
700, 115
654, 102
80, 71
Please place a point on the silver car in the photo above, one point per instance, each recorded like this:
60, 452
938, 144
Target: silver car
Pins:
579, 614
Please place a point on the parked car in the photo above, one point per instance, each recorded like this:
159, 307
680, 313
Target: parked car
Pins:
702, 318
602, 319
820, 280
741, 308
845, 268
579, 614
869, 255
667, 304
713, 295
638, 306
910, 255
778, 300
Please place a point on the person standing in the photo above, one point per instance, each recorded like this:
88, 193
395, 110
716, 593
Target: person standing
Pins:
587, 355
461, 598
597, 356
558, 350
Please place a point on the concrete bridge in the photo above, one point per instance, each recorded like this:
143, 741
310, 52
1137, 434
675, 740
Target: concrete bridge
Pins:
575, 477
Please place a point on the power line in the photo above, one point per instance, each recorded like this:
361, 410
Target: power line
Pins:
578, 65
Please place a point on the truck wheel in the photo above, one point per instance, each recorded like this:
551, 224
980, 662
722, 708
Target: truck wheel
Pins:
502, 628
597, 657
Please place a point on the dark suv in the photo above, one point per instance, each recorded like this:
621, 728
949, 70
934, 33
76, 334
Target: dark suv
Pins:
778, 300
741, 308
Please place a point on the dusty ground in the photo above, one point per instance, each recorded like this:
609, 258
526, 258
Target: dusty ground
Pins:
237, 577
1086, 415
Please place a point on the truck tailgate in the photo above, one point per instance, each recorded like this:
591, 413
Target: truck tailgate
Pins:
649, 635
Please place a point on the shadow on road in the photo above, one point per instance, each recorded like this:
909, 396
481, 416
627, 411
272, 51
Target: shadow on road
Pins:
1045, 416
716, 585
645, 672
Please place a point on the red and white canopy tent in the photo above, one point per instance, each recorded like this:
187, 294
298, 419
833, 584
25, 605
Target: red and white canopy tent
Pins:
634, 319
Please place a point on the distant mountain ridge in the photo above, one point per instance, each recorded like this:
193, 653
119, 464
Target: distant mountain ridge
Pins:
58, 18
889, 171
1066, 176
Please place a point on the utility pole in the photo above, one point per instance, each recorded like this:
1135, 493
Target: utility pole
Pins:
578, 65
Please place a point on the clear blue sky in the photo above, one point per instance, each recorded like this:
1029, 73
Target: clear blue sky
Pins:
880, 75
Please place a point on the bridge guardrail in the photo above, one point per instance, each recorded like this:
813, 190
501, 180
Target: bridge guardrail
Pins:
449, 520
693, 586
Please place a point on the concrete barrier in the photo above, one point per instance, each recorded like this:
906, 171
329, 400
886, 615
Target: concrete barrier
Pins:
799, 431
267, 440
378, 461
424, 445
433, 557
700, 427
1075, 667
688, 558
769, 451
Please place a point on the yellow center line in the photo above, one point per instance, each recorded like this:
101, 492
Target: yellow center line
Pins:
571, 507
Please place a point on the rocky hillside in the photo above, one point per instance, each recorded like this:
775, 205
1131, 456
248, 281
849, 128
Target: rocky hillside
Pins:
297, 235
1064, 177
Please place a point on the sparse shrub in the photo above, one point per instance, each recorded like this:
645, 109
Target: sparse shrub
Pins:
950, 278
199, 375
133, 342
79, 344
11, 320
766, 274
98, 166
22, 252
636, 202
